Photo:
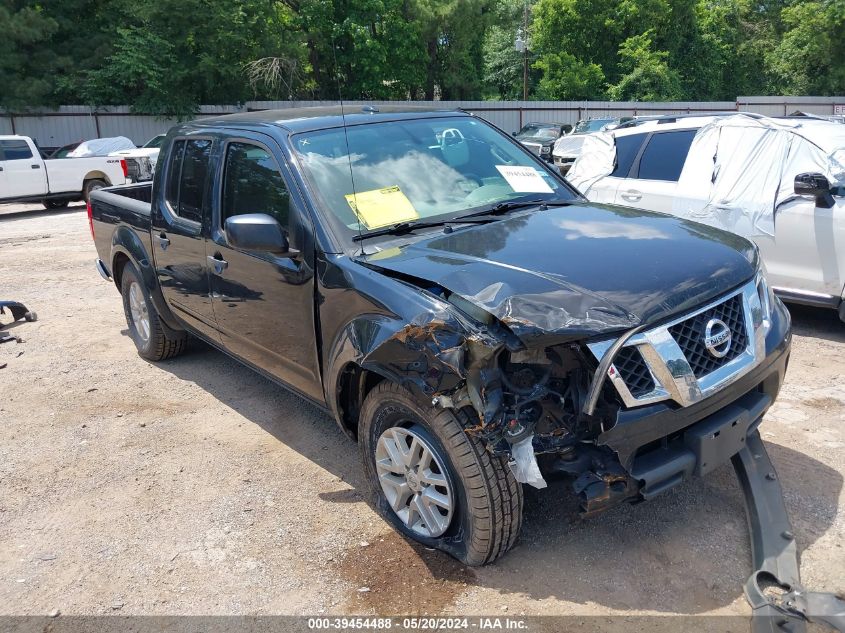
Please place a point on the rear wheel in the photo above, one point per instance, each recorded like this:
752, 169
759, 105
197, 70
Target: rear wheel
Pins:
144, 325
433, 482
55, 204
92, 185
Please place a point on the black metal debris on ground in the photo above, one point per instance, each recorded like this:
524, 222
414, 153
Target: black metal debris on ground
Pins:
19, 311
779, 602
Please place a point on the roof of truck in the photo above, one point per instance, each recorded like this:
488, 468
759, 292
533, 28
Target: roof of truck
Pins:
322, 117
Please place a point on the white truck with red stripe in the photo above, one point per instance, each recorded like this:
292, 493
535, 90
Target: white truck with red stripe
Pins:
26, 176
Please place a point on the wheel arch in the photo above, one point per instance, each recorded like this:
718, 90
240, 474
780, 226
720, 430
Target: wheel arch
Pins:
127, 247
354, 384
96, 174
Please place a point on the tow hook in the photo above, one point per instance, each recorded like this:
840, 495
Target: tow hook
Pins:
779, 603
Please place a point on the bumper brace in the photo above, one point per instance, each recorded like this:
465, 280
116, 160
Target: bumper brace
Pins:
778, 601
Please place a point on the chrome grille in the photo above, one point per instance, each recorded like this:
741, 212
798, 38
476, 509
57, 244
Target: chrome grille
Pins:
631, 366
534, 147
672, 361
690, 336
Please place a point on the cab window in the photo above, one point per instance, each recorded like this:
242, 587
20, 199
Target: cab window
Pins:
253, 183
187, 176
14, 150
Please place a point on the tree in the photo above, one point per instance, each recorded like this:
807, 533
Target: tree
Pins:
647, 74
810, 57
26, 66
568, 78
577, 42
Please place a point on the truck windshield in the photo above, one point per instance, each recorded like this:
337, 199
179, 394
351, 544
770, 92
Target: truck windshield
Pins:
422, 169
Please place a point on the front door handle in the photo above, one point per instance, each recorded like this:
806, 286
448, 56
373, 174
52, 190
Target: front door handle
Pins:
218, 263
632, 196
163, 241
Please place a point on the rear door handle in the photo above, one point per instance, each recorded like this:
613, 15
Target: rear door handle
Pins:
632, 196
218, 263
163, 241
35, 166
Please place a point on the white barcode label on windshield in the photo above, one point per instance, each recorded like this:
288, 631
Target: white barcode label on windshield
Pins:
524, 179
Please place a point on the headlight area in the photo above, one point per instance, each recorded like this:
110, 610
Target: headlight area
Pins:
766, 295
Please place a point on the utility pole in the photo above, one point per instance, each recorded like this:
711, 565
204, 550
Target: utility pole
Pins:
525, 54
521, 44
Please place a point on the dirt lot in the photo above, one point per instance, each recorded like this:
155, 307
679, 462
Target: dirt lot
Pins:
195, 486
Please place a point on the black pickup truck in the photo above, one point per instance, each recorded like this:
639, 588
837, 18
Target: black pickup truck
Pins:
461, 311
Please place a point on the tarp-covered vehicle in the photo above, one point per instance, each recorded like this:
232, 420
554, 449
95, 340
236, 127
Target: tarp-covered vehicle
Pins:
779, 182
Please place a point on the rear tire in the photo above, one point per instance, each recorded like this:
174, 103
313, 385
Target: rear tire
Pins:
92, 185
143, 321
55, 204
484, 500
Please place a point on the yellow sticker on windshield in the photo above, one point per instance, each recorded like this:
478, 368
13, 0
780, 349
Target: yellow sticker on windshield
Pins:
382, 207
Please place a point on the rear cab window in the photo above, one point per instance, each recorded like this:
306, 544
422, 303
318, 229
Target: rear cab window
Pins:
664, 156
187, 177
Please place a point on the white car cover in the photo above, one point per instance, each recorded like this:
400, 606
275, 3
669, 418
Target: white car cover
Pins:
598, 155
739, 169
101, 147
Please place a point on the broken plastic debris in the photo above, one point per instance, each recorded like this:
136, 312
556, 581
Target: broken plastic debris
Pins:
523, 463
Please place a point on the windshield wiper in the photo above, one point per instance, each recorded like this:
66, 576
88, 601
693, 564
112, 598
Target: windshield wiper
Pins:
512, 205
406, 227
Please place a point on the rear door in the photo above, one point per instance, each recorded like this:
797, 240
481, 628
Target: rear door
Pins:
627, 149
653, 181
264, 303
179, 228
24, 171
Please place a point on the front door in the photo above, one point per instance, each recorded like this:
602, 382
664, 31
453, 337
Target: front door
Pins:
23, 172
264, 303
179, 229
806, 252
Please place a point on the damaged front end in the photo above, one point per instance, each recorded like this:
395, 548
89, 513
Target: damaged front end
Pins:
625, 416
528, 401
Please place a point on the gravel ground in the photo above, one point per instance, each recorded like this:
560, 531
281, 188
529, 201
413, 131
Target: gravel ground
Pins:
195, 486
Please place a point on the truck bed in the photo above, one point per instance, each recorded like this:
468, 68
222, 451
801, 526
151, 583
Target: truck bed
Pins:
128, 208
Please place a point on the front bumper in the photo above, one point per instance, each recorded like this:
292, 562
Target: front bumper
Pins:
660, 445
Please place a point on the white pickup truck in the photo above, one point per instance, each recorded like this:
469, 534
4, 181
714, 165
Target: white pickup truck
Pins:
26, 176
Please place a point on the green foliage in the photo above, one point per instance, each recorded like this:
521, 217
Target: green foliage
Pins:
169, 56
810, 57
568, 78
26, 66
647, 74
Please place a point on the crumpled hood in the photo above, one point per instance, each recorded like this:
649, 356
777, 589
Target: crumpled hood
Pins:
578, 271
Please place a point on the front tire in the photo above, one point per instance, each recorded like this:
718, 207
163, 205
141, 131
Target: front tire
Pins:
143, 321
55, 204
444, 490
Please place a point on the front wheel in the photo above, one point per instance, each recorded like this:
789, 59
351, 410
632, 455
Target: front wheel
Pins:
433, 482
144, 325
55, 204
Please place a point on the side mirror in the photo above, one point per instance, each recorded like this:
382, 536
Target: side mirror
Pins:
258, 232
815, 185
